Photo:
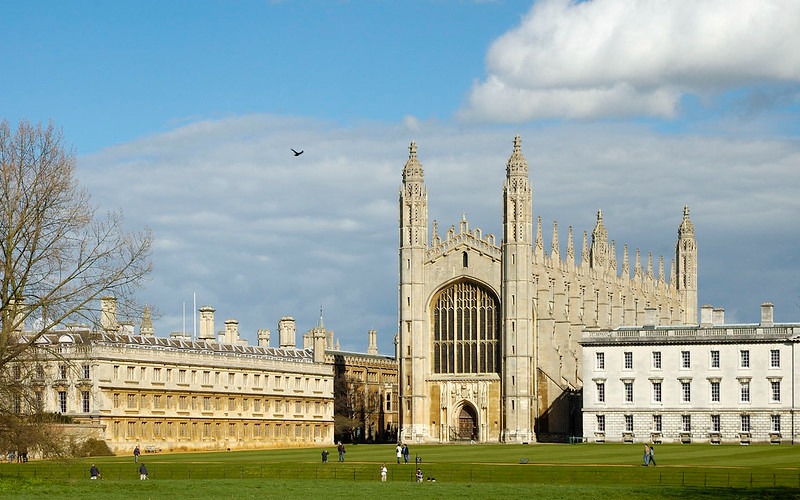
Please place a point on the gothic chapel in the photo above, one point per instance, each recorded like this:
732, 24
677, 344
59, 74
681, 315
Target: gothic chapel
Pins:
488, 333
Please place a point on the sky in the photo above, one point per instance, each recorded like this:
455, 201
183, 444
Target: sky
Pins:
183, 113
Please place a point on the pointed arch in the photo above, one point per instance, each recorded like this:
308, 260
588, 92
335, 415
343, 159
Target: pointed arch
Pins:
466, 423
466, 329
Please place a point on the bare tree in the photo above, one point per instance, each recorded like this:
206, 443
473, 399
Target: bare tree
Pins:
58, 254
356, 409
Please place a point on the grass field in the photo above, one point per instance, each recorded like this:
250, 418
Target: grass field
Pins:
465, 471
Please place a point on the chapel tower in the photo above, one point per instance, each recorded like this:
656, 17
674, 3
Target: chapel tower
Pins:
412, 328
686, 258
518, 344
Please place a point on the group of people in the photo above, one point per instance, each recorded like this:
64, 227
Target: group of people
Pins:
649, 455
94, 471
19, 456
402, 452
419, 474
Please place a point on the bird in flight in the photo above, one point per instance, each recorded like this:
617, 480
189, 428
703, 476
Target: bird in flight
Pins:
296, 153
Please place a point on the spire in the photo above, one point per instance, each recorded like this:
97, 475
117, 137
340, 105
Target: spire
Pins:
661, 269
539, 244
686, 229
672, 274
585, 250
637, 267
626, 271
612, 259
320, 325
650, 265
555, 251
412, 171
599, 251
570, 247
517, 165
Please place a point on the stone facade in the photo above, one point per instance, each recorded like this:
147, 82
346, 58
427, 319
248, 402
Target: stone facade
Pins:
368, 379
488, 333
708, 382
182, 394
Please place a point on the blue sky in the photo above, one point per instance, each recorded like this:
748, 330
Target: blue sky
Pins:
183, 113
140, 68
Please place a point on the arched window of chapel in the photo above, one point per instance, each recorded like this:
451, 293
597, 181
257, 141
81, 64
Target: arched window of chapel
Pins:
466, 329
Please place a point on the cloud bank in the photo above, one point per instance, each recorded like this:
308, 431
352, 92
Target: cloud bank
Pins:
259, 234
620, 58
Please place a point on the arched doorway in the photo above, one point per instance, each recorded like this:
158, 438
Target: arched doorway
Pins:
467, 424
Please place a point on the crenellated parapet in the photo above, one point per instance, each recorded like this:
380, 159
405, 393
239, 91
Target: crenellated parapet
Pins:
464, 238
599, 260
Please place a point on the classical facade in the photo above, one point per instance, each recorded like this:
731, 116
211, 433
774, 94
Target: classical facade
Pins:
709, 383
176, 393
365, 386
488, 334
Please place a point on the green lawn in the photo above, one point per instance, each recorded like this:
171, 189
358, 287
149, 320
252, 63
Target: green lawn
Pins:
466, 471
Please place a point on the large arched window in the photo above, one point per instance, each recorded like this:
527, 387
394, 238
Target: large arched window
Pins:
466, 329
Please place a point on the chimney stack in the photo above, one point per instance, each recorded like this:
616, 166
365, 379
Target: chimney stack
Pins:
286, 332
766, 314
231, 331
718, 316
206, 324
108, 314
263, 337
16, 313
146, 329
373, 342
319, 345
706, 316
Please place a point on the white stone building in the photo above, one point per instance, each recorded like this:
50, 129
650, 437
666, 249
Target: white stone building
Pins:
710, 382
489, 328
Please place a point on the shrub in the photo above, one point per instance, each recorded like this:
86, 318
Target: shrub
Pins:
93, 448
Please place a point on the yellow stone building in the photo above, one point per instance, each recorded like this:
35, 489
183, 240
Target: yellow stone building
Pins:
366, 384
177, 393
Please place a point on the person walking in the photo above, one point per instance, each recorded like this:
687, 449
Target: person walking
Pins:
341, 450
652, 456
142, 472
399, 452
94, 472
384, 470
324, 456
136, 453
646, 457
406, 453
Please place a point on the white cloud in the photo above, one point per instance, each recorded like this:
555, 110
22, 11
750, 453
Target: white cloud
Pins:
633, 57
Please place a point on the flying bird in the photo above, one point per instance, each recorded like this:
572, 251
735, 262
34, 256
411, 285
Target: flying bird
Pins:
296, 153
